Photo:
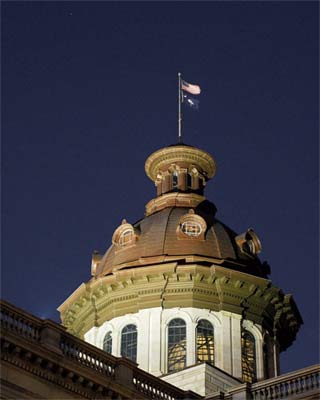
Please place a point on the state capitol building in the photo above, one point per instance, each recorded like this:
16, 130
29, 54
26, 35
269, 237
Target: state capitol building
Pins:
178, 307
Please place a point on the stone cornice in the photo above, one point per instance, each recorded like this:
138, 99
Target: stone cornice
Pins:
186, 155
172, 285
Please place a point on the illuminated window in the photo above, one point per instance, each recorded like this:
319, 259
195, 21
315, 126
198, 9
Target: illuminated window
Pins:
129, 342
205, 342
191, 228
176, 345
248, 358
126, 237
107, 343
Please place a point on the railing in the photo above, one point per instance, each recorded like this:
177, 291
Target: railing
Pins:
79, 352
288, 385
154, 388
54, 337
20, 322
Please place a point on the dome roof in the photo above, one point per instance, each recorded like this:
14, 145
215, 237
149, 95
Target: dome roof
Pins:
184, 234
179, 224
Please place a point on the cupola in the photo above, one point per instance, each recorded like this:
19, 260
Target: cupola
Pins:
180, 168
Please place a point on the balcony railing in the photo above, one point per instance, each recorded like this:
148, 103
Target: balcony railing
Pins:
22, 323
288, 386
52, 336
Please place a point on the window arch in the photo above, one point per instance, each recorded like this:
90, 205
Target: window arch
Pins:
107, 342
248, 357
177, 351
126, 237
205, 342
129, 342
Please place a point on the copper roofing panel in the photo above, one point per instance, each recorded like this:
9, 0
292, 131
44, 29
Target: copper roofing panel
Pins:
158, 235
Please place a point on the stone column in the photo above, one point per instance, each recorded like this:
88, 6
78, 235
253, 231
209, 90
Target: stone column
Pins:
195, 182
159, 187
182, 180
166, 185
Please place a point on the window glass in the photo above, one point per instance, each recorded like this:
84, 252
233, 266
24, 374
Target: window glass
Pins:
191, 228
248, 358
176, 345
205, 342
107, 343
126, 237
129, 342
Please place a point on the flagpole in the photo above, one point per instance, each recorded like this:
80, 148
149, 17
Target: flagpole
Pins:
179, 107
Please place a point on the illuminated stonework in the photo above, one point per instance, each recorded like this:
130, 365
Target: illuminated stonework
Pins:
179, 288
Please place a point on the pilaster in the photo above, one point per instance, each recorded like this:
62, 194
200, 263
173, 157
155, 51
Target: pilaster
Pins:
155, 341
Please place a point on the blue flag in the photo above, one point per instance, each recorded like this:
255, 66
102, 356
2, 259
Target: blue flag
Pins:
190, 101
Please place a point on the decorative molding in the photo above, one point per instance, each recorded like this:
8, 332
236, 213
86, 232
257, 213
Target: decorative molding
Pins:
214, 288
186, 155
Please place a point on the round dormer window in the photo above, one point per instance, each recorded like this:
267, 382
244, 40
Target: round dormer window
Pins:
126, 237
191, 228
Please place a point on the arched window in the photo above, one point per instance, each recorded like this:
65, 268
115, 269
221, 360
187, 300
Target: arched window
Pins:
177, 345
129, 342
126, 237
107, 343
205, 342
175, 180
248, 357
189, 181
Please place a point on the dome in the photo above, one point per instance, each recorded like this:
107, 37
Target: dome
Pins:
180, 224
178, 233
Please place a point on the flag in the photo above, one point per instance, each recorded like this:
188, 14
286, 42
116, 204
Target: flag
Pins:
188, 87
190, 101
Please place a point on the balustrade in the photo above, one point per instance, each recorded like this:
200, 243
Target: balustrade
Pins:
287, 385
153, 388
20, 323
80, 353
54, 337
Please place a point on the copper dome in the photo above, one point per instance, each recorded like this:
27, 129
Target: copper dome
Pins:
158, 239
180, 224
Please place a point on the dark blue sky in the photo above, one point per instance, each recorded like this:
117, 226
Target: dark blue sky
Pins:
89, 90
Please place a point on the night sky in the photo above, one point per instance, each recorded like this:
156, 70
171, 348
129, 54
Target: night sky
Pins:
89, 91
